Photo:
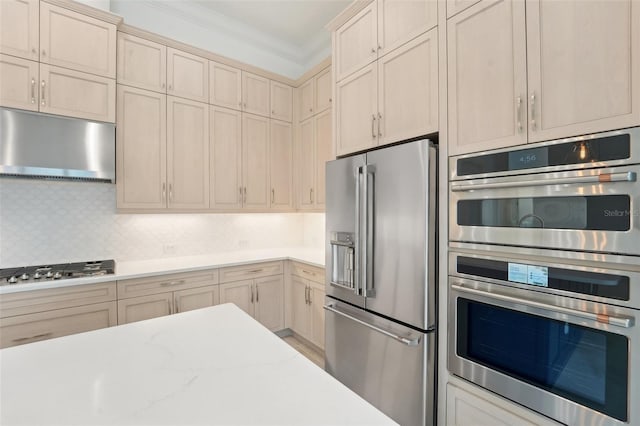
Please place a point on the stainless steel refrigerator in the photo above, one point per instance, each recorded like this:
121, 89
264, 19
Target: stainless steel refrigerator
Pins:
380, 280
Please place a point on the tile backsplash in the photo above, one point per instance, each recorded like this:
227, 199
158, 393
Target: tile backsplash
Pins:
59, 221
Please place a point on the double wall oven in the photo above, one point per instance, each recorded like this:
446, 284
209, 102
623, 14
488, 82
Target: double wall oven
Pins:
544, 276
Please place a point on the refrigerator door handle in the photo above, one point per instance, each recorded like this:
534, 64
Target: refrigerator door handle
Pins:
367, 248
409, 342
358, 236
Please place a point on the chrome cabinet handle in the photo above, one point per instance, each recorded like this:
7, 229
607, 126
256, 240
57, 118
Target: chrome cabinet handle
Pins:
164, 191
43, 101
245, 195
37, 336
533, 111
169, 306
255, 271
257, 294
310, 301
172, 283
176, 305
401, 339
170, 192
33, 90
306, 295
311, 195
373, 124
379, 121
240, 195
252, 293
601, 178
273, 195
519, 113
624, 322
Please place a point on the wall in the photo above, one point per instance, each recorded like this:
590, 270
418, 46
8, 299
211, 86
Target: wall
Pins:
54, 222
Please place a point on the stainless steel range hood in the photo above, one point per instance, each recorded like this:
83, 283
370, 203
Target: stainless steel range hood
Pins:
47, 146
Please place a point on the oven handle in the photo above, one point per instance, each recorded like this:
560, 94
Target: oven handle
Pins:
624, 322
601, 178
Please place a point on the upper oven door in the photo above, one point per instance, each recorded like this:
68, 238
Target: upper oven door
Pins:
592, 210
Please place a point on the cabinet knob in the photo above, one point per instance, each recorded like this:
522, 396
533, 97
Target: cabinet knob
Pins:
44, 53
373, 50
170, 87
34, 51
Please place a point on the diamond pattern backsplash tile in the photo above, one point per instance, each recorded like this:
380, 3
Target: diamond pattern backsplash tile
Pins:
57, 221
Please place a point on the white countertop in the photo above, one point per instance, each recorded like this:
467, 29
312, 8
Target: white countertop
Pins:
169, 265
209, 366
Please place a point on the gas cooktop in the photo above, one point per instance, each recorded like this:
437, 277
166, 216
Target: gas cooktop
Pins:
61, 271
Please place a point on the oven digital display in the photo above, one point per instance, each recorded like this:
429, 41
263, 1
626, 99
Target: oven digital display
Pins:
529, 158
528, 274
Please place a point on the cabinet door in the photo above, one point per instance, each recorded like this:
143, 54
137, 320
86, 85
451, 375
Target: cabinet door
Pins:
141, 151
80, 42
239, 293
269, 302
255, 94
225, 165
316, 302
306, 165
307, 99
187, 154
583, 66
487, 77
322, 85
356, 42
408, 90
300, 319
195, 298
357, 111
18, 83
142, 63
29, 328
77, 94
402, 20
20, 28
225, 86
144, 307
456, 6
323, 153
281, 101
255, 161
280, 164
187, 75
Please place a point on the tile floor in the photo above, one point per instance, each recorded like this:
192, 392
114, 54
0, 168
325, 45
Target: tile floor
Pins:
312, 353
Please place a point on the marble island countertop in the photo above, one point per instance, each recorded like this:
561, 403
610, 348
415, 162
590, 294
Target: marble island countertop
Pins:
170, 265
211, 366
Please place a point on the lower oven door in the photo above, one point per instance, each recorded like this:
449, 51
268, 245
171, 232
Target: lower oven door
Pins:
575, 361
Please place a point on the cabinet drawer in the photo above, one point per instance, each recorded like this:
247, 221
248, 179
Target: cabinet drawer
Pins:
61, 322
246, 272
165, 283
308, 272
29, 302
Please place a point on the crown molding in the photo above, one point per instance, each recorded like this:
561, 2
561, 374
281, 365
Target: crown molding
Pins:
87, 10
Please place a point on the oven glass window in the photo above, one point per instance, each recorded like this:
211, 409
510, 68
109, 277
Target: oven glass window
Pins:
595, 213
588, 366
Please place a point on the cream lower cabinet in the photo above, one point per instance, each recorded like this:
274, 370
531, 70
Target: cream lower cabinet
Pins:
257, 289
306, 303
20, 28
31, 316
467, 406
315, 149
523, 72
151, 297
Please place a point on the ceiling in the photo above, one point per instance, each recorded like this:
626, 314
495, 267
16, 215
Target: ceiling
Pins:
284, 36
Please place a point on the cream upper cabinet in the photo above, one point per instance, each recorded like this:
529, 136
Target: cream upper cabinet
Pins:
307, 100
269, 302
487, 104
18, 82
306, 178
323, 153
403, 20
455, 6
355, 44
357, 111
225, 86
322, 89
583, 63
187, 75
141, 150
255, 161
255, 94
281, 101
20, 28
187, 154
281, 164
73, 40
142, 63
77, 94
225, 165
408, 90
